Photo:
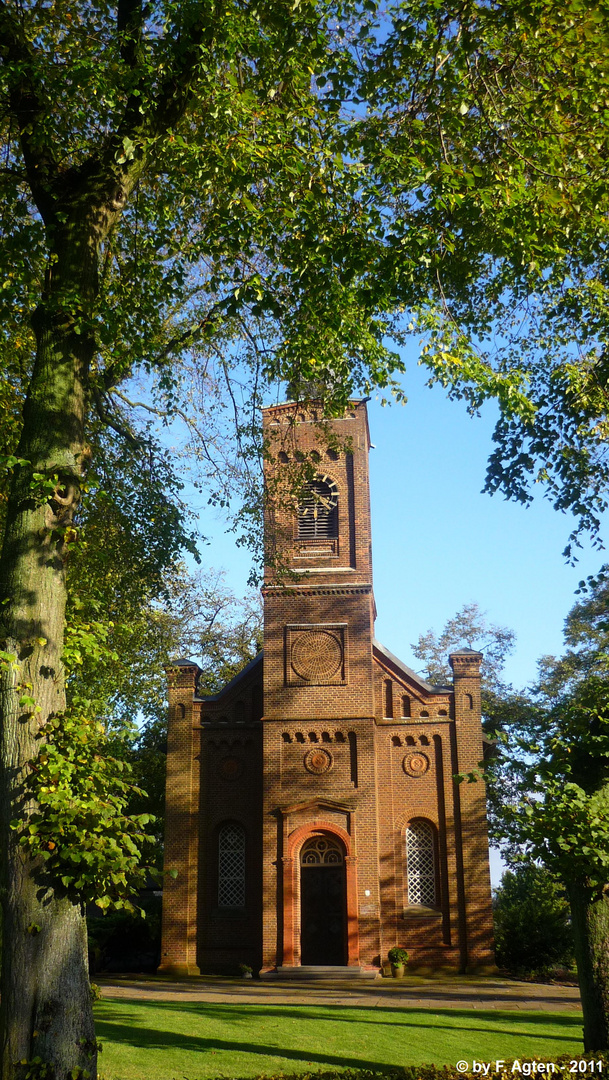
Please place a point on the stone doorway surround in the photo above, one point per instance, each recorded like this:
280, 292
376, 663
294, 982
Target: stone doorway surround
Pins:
291, 890
322, 902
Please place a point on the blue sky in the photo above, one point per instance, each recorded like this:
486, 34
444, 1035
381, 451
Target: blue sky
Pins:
439, 543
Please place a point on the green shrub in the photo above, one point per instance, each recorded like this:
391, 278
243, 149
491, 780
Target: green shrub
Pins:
532, 921
121, 941
397, 955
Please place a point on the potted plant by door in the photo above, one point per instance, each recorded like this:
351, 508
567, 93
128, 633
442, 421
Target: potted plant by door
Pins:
398, 958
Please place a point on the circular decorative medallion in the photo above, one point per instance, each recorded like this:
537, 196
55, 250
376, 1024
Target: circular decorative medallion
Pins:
316, 655
318, 761
415, 764
230, 768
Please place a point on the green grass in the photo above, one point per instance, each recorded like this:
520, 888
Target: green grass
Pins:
198, 1040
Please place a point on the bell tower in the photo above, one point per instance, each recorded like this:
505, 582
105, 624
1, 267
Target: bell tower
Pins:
319, 605
318, 722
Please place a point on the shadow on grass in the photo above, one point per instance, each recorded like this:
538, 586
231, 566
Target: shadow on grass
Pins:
382, 1014
117, 1025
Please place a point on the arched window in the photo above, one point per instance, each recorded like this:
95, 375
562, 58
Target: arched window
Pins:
405, 705
321, 851
421, 864
318, 510
231, 866
388, 695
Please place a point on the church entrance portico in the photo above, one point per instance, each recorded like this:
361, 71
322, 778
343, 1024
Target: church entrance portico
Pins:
323, 903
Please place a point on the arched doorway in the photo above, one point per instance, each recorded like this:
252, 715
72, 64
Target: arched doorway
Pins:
323, 902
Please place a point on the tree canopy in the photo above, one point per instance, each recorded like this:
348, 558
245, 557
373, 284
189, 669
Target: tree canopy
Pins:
486, 125
255, 195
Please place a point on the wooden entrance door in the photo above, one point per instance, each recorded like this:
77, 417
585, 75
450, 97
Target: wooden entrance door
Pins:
323, 906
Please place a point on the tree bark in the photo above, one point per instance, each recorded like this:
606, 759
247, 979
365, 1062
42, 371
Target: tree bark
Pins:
45, 997
590, 918
45, 1010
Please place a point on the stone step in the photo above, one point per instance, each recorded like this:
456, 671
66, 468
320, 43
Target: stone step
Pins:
313, 972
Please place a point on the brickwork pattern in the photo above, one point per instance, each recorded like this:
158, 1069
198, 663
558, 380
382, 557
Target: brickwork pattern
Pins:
328, 736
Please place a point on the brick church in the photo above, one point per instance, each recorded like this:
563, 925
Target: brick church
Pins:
312, 816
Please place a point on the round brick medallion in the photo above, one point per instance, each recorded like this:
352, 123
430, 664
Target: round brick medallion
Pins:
316, 655
318, 761
230, 768
415, 764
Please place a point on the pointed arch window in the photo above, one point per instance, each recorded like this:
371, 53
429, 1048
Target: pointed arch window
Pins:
421, 864
231, 866
318, 510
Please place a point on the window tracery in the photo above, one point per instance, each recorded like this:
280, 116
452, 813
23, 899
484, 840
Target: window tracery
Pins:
321, 851
421, 864
231, 866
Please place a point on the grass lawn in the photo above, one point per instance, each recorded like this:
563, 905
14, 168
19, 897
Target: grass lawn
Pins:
197, 1040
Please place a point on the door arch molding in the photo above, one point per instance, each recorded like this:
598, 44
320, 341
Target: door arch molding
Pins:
291, 866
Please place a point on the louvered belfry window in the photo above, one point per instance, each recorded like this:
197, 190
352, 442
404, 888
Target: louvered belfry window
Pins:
420, 864
318, 511
231, 866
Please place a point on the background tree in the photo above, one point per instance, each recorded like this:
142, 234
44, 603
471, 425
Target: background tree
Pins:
502, 108
468, 627
531, 920
556, 810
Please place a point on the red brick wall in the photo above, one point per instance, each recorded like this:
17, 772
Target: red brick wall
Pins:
383, 769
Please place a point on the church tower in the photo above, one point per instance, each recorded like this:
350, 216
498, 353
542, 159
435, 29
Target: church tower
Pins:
319, 689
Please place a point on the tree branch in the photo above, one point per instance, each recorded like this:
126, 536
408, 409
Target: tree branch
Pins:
113, 422
28, 104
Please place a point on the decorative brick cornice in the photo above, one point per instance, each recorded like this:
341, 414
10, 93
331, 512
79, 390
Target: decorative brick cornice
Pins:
317, 590
465, 662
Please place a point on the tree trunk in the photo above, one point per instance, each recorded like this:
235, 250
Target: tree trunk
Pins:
590, 920
45, 1007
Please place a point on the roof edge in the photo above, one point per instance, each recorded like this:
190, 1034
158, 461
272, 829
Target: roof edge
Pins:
429, 688
257, 659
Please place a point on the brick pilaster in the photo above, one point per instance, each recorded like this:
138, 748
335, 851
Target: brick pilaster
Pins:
179, 933
476, 917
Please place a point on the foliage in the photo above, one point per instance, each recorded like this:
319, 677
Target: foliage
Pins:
500, 109
468, 627
397, 955
531, 919
556, 757
562, 813
122, 940
85, 845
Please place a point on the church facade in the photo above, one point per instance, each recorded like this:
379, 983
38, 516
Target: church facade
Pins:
312, 818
